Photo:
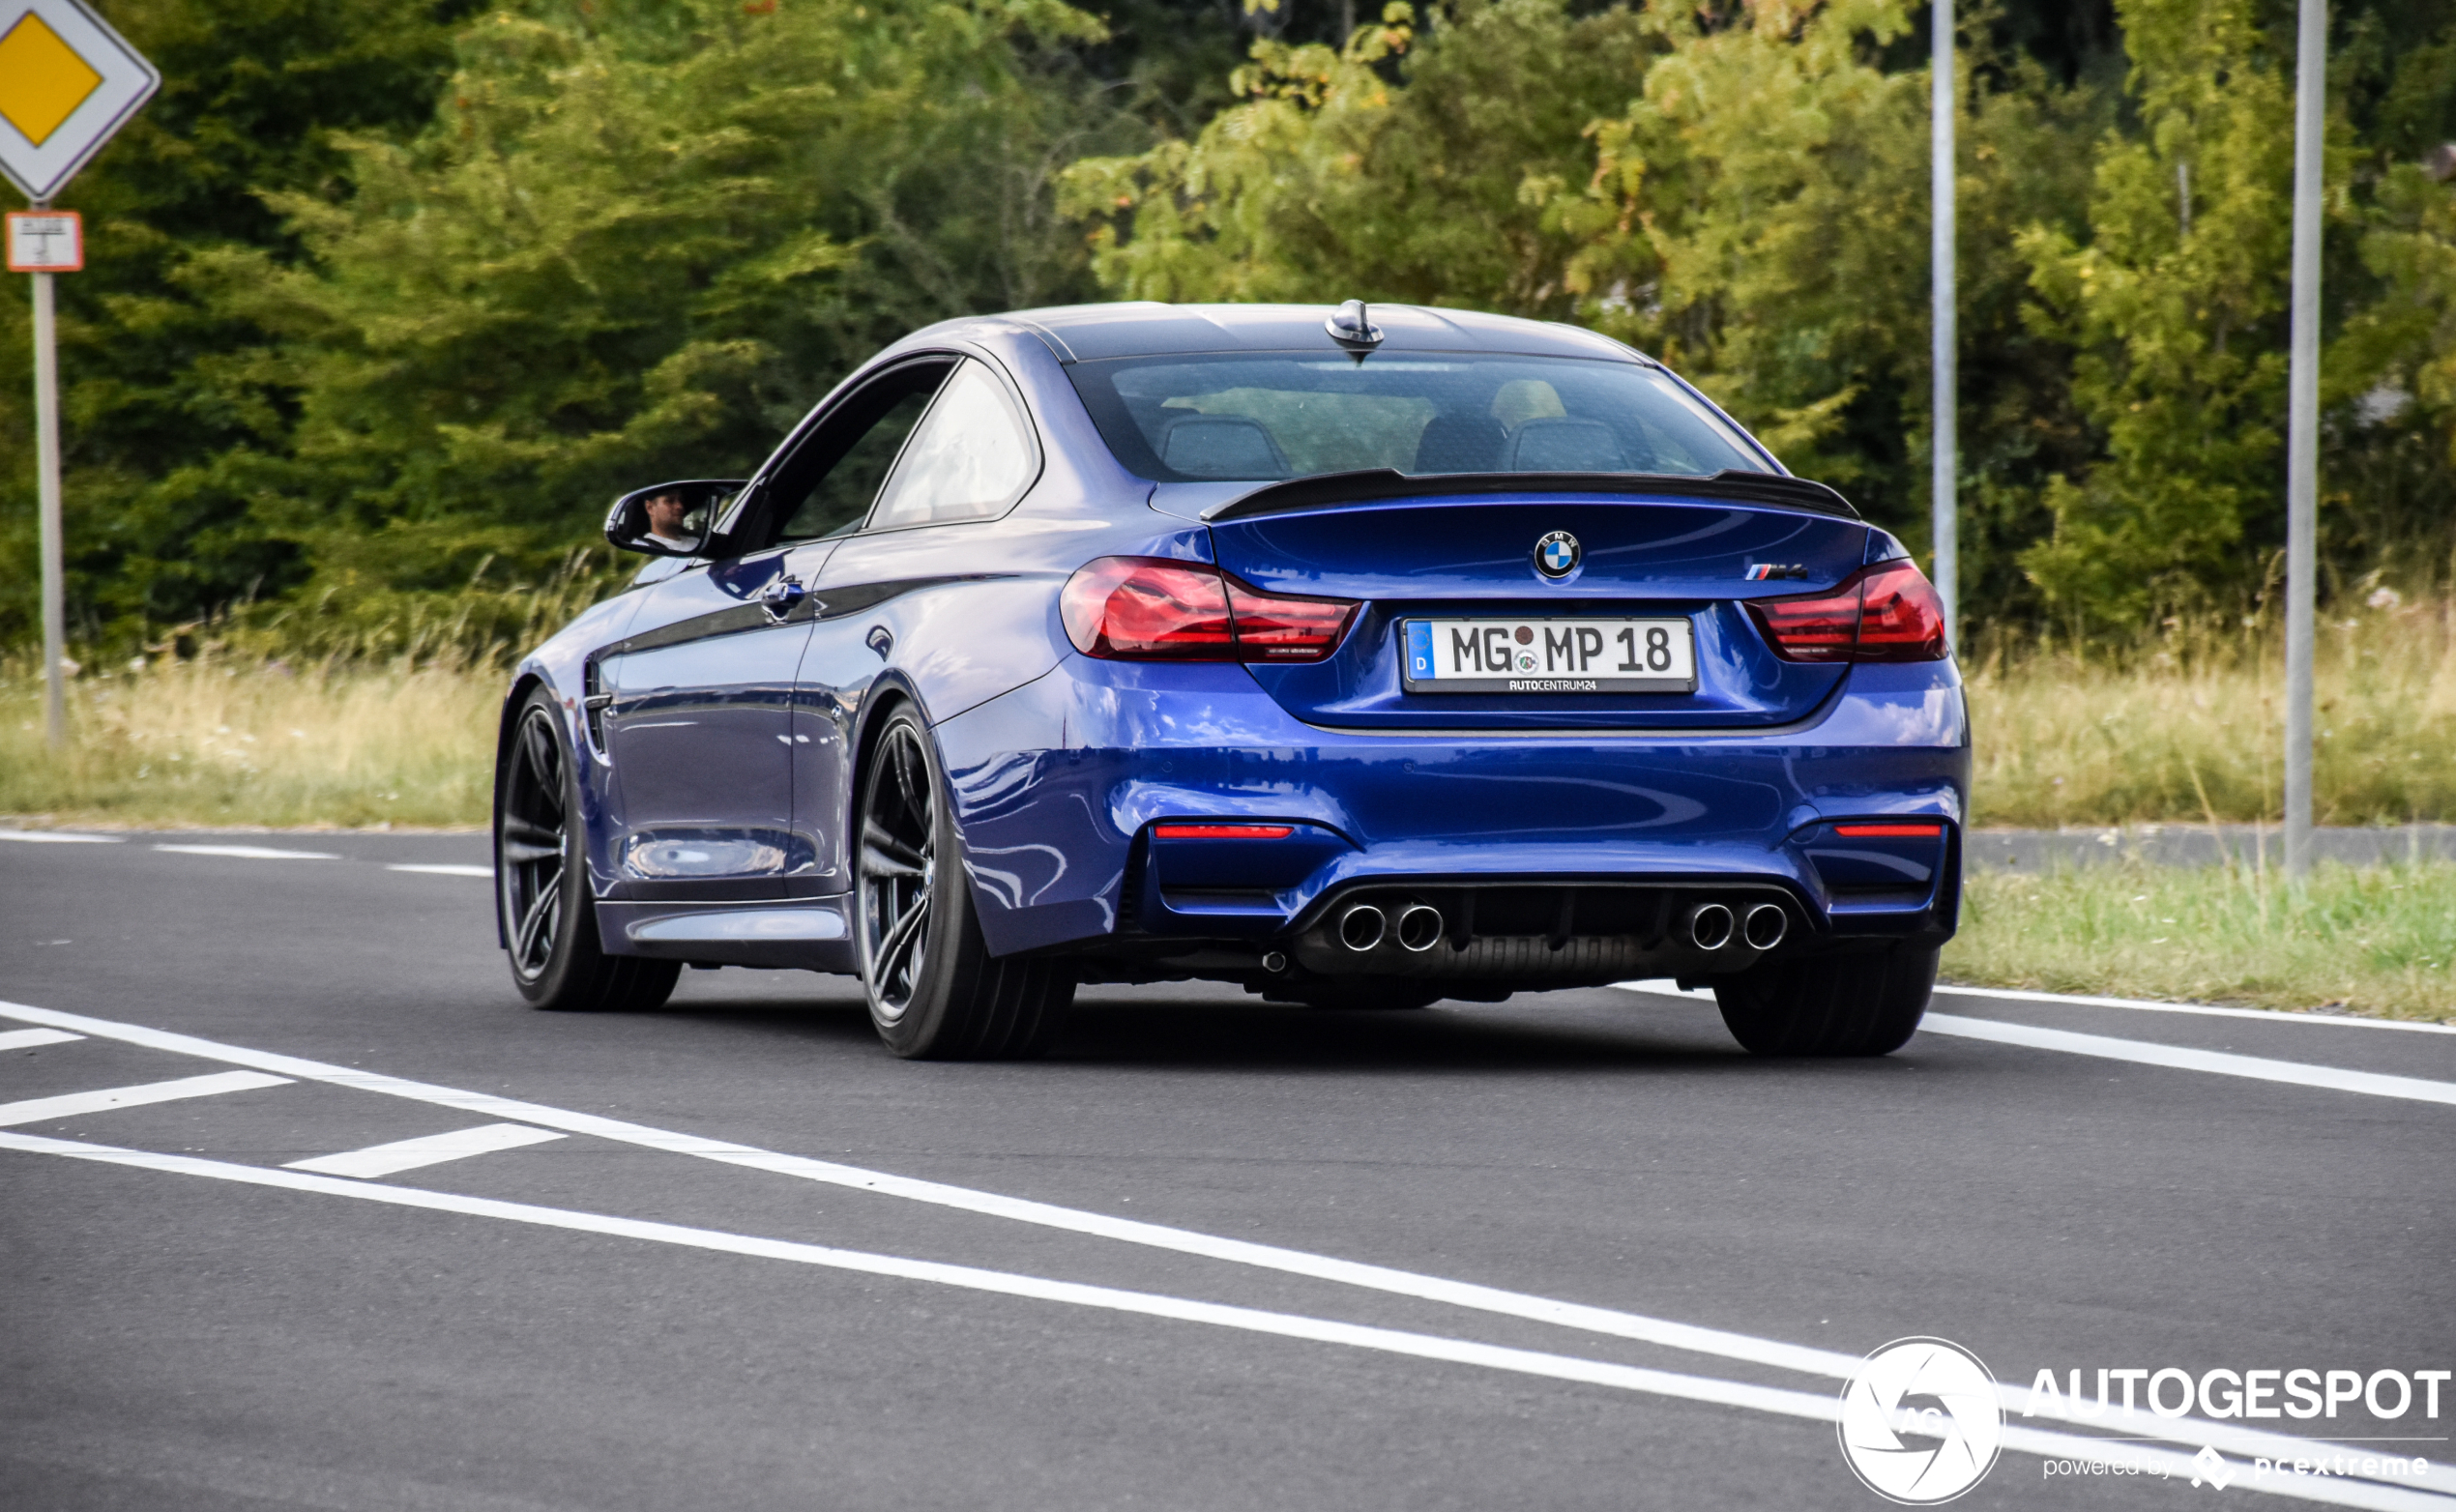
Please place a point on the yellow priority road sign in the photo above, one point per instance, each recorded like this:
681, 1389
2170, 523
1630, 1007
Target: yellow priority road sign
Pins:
67, 82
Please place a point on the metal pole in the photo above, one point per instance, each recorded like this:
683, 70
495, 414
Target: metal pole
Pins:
2302, 430
1945, 432
47, 463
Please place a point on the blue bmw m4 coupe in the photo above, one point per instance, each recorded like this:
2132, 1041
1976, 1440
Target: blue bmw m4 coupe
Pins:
1363, 657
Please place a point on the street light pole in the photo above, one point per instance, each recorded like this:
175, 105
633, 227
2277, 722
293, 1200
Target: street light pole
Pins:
1945, 431
2302, 428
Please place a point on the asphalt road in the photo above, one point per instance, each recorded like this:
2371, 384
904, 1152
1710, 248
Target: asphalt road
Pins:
2049, 1185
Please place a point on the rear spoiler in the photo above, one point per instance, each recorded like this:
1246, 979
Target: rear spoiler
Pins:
1383, 483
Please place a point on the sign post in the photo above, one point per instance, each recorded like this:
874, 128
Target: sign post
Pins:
68, 83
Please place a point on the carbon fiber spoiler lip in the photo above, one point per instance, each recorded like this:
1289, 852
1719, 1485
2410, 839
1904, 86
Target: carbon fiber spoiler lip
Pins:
1382, 482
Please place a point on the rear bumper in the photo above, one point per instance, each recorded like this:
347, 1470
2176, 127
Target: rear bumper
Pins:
1058, 837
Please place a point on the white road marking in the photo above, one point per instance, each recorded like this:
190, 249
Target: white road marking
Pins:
1638, 1327
42, 1110
28, 1039
431, 1149
251, 853
1666, 987
2211, 1010
439, 869
2182, 1058
2297, 1073
58, 838
1813, 1406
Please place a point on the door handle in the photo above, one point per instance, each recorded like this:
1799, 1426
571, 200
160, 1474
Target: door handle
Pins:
782, 596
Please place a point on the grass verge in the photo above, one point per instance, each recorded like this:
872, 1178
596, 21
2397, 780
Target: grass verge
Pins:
2371, 939
205, 743
2189, 724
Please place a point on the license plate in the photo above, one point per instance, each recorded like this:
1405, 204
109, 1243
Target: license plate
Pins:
1545, 656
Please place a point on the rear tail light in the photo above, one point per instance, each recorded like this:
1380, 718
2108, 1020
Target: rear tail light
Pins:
1911, 831
1888, 612
1149, 609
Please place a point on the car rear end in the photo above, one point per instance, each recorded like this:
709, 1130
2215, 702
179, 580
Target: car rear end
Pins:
1476, 731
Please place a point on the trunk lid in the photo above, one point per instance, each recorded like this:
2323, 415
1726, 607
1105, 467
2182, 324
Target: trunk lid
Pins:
1474, 557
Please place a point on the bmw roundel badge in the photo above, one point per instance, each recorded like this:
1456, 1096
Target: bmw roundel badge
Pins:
1557, 555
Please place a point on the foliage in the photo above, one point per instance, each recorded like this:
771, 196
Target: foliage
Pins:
2175, 308
618, 241
1333, 176
635, 250
167, 408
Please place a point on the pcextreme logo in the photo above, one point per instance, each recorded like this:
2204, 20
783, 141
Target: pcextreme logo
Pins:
1920, 1424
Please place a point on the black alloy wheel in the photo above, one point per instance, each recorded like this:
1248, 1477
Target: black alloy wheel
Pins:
900, 870
542, 899
935, 991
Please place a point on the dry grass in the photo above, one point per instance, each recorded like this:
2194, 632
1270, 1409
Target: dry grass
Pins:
2370, 939
211, 743
2190, 724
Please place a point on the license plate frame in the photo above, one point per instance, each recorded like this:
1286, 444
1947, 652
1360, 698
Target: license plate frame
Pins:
1554, 656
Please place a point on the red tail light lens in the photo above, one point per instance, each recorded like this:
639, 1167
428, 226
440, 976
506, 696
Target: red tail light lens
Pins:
1903, 618
1145, 608
1888, 832
1273, 629
1888, 612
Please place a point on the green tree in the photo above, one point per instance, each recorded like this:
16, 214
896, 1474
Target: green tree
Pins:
2175, 306
164, 386
642, 248
1388, 168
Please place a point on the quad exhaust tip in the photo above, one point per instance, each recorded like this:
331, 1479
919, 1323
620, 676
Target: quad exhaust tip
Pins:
1767, 924
1361, 927
1420, 927
1710, 927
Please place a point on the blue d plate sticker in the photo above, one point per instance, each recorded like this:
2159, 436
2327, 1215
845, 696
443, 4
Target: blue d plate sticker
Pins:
1419, 650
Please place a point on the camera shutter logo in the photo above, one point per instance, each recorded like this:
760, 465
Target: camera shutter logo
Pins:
1920, 1423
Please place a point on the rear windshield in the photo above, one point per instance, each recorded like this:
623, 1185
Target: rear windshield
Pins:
1267, 416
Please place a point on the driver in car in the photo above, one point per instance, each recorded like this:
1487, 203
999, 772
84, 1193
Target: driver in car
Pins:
666, 523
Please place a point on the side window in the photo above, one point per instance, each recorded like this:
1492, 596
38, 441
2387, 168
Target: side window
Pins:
970, 460
828, 486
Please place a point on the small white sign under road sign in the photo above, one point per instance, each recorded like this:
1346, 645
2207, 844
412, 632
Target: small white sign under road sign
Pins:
45, 241
67, 82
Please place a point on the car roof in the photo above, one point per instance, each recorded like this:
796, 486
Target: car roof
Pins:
1149, 328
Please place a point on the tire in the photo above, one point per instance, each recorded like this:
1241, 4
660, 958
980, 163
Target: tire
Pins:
1829, 1004
549, 927
935, 992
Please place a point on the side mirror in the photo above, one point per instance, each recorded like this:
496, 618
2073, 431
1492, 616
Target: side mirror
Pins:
670, 519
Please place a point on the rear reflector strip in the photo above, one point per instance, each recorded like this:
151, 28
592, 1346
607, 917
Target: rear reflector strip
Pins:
1888, 832
1223, 831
